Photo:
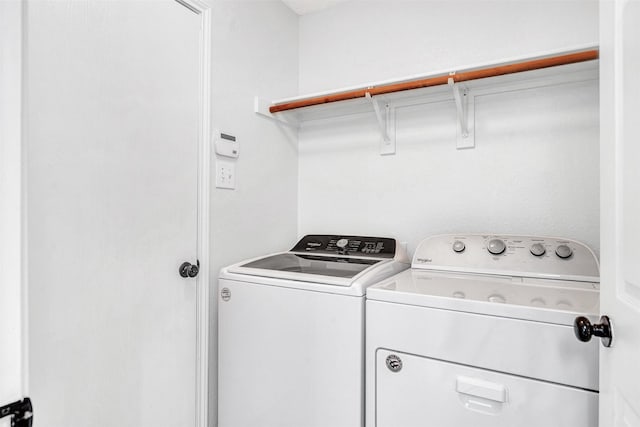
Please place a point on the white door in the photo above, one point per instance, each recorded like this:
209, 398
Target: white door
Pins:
11, 359
620, 211
112, 113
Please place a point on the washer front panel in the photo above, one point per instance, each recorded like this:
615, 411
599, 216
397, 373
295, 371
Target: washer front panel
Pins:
286, 353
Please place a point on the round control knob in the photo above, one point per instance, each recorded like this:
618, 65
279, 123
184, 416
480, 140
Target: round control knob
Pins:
496, 246
564, 251
537, 249
342, 243
458, 246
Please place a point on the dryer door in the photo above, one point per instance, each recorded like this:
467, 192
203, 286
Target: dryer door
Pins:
414, 391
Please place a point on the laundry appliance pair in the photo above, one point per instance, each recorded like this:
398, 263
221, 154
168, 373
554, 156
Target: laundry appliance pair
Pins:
478, 332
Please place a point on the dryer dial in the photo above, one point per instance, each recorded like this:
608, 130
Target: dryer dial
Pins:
564, 251
496, 246
537, 249
458, 246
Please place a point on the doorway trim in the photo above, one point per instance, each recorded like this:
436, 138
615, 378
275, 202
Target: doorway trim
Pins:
200, 8
15, 211
12, 306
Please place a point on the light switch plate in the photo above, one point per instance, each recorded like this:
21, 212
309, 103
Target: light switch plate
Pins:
225, 174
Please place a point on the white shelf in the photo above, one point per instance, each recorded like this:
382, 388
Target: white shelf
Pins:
384, 105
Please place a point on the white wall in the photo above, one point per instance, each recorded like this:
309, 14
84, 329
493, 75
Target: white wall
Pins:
10, 203
362, 41
255, 52
535, 165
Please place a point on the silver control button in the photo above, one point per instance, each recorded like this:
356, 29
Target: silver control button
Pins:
537, 249
496, 246
342, 243
458, 246
564, 251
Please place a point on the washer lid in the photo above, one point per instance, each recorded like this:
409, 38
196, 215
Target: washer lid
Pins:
542, 300
337, 260
301, 266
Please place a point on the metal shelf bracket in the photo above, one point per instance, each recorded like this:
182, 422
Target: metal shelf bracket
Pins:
385, 120
465, 103
261, 108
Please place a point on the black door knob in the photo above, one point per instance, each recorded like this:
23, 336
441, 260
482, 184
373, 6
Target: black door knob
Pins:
584, 330
187, 269
194, 270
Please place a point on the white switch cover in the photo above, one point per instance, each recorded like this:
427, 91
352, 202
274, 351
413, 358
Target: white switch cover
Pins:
225, 174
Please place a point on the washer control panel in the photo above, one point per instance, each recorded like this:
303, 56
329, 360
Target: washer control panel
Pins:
378, 247
525, 256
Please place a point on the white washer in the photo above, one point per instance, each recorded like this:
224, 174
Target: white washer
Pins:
480, 333
291, 332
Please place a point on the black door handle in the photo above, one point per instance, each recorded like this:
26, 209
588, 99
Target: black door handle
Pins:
187, 269
584, 330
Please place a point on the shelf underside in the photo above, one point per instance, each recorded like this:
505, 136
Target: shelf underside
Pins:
575, 72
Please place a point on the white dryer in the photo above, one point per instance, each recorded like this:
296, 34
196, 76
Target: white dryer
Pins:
291, 332
480, 333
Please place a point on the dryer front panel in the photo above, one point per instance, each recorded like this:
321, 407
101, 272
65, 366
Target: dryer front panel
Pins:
415, 391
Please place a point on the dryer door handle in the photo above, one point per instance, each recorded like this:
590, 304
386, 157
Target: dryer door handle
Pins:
481, 388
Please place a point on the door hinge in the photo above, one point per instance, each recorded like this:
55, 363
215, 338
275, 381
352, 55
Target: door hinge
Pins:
21, 413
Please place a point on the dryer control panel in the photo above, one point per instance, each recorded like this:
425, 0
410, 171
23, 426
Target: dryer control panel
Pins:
378, 247
524, 256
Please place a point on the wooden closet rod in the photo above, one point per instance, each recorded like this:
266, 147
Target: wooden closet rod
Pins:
481, 73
